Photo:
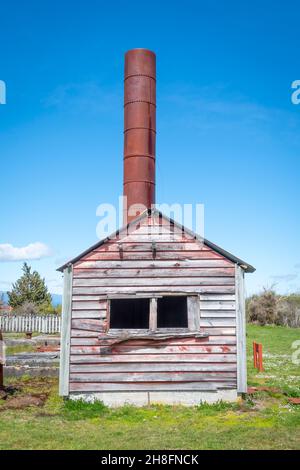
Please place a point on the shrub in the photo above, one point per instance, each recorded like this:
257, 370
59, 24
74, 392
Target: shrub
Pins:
27, 308
261, 309
269, 308
288, 312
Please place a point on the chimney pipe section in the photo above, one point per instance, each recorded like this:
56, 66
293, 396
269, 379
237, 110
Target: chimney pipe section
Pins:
139, 131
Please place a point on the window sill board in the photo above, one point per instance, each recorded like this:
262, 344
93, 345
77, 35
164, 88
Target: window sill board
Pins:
115, 337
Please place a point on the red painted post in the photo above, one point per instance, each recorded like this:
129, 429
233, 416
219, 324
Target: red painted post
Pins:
260, 358
257, 356
254, 355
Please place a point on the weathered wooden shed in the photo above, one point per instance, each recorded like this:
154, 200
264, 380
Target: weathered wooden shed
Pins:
153, 313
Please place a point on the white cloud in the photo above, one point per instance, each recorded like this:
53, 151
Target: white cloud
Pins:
55, 286
35, 250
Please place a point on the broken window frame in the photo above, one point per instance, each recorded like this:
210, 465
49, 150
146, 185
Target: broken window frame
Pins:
133, 328
178, 311
193, 313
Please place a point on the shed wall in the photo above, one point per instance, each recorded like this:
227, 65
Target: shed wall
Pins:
179, 264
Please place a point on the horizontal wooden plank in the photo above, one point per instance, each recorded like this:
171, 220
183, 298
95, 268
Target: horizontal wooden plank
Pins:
97, 314
137, 245
215, 334
150, 264
217, 297
152, 289
92, 355
78, 333
137, 387
159, 229
89, 305
161, 282
91, 338
153, 367
87, 347
215, 305
217, 313
87, 324
168, 255
207, 304
205, 324
135, 377
153, 272
156, 237
217, 322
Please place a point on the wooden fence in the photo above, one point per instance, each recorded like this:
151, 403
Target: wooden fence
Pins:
30, 323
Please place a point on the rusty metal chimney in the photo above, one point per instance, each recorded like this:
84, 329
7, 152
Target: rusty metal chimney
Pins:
139, 131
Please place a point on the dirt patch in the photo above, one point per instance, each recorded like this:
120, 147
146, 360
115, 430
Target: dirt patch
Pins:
49, 348
9, 391
20, 402
15, 397
294, 401
252, 390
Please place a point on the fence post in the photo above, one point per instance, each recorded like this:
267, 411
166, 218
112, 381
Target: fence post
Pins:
30, 323
260, 358
254, 355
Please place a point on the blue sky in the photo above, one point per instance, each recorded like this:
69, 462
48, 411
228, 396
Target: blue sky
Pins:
228, 133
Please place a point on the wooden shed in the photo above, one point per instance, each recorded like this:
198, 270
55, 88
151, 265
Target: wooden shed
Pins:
153, 313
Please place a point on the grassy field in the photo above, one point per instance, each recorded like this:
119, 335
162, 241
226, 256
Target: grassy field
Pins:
265, 420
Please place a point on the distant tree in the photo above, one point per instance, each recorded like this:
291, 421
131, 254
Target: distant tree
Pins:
57, 309
30, 288
46, 309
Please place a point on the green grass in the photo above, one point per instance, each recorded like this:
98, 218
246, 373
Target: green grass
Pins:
265, 421
18, 335
26, 348
279, 370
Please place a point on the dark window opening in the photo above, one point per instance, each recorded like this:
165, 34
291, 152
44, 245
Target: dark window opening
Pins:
172, 312
129, 313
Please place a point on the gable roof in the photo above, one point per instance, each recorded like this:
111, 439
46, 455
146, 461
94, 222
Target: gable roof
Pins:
246, 266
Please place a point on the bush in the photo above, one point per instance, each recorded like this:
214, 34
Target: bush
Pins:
261, 309
49, 309
269, 308
288, 312
27, 308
